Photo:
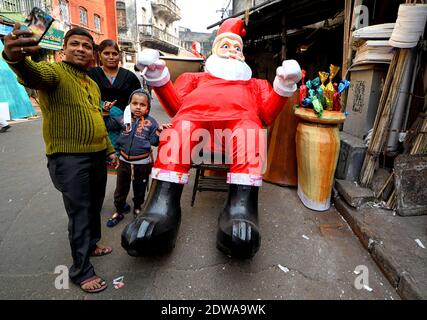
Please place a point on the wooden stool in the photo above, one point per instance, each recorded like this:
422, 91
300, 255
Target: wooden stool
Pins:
210, 182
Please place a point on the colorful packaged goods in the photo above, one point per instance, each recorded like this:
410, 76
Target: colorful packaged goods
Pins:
319, 95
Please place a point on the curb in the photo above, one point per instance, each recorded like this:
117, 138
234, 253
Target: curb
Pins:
400, 279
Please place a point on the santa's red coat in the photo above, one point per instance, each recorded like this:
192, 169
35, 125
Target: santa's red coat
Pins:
208, 102
202, 97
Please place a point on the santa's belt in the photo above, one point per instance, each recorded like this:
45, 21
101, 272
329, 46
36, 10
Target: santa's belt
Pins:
133, 158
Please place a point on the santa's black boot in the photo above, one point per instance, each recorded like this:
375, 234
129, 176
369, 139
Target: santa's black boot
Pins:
238, 232
154, 231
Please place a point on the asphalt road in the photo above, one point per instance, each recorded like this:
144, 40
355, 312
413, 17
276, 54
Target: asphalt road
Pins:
303, 255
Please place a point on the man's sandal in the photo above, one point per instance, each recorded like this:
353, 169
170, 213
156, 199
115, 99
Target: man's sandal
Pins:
115, 219
90, 289
101, 251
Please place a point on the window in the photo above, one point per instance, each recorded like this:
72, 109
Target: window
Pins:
121, 15
63, 11
83, 15
97, 22
10, 5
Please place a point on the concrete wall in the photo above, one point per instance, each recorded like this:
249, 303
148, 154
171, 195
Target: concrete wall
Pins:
131, 32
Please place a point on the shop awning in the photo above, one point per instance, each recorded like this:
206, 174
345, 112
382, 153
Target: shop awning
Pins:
8, 19
12, 17
268, 17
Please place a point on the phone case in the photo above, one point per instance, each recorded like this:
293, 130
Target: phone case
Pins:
38, 22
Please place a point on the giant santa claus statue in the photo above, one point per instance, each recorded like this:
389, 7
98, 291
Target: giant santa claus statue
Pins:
224, 97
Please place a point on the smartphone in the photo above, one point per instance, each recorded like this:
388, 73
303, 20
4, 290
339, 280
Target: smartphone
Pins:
38, 22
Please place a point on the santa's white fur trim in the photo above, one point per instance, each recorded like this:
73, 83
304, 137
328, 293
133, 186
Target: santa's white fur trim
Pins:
284, 91
160, 81
169, 176
244, 179
227, 35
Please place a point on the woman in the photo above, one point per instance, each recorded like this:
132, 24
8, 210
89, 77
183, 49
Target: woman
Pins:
116, 83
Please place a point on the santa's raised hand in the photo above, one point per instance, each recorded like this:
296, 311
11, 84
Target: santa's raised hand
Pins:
154, 69
287, 77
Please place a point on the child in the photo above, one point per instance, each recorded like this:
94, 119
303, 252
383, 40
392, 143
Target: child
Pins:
139, 133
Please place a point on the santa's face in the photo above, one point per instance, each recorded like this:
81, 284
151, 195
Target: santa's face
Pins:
230, 48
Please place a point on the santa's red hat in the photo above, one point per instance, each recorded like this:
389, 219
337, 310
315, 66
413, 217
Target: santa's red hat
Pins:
232, 28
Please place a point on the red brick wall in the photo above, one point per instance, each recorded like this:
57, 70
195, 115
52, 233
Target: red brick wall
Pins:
110, 18
105, 9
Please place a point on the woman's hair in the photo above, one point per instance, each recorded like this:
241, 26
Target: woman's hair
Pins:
142, 92
108, 43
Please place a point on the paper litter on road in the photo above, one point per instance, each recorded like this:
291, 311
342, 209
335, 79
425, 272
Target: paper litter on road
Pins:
284, 269
418, 241
305, 237
370, 243
118, 282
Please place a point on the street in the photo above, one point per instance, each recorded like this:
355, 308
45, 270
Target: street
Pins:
303, 255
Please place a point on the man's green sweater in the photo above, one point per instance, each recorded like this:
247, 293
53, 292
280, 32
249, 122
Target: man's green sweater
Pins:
70, 103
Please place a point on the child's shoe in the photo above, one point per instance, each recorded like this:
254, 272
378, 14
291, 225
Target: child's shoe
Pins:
115, 219
126, 209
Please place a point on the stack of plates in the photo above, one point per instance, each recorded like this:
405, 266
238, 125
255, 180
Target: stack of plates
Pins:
374, 51
378, 31
410, 24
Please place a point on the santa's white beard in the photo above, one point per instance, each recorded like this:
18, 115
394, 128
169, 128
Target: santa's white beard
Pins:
228, 69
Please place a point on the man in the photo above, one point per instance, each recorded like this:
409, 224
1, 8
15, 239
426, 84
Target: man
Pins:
224, 98
76, 140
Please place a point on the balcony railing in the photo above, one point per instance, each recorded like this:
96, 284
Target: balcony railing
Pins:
151, 32
168, 7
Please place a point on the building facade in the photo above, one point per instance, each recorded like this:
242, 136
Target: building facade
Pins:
147, 24
187, 37
23, 6
96, 16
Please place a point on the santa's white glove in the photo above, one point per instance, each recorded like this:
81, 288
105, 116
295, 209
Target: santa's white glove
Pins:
287, 76
152, 68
